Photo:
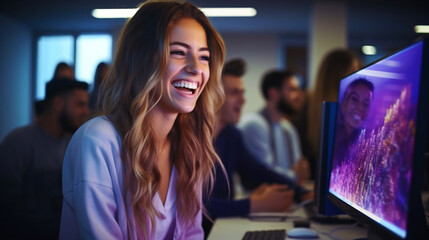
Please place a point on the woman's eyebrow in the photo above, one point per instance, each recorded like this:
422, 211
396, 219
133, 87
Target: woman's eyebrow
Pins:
187, 46
354, 93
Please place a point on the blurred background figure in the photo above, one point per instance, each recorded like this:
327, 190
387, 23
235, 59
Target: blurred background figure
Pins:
268, 189
353, 111
336, 64
31, 163
100, 75
269, 134
63, 70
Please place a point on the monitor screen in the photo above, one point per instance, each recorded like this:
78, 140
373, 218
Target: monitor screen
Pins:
375, 136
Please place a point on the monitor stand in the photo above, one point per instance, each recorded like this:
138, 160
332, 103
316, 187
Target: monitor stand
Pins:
312, 214
332, 219
371, 236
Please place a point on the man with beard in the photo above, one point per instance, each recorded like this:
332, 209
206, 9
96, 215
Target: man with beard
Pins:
31, 163
269, 134
268, 191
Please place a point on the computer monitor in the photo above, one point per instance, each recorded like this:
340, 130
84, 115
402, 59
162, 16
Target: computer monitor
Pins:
322, 206
379, 144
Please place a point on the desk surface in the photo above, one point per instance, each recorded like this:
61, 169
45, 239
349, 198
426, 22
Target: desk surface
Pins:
235, 228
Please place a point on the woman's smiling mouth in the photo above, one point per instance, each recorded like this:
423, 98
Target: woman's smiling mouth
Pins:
185, 86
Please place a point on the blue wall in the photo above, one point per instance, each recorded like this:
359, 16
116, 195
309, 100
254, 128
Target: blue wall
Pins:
15, 75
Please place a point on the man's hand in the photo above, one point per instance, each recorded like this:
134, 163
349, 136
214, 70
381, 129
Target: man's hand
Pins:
302, 170
271, 198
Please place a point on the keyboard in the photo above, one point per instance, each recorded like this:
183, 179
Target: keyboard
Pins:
265, 235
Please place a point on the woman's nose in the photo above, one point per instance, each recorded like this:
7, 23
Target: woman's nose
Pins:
193, 65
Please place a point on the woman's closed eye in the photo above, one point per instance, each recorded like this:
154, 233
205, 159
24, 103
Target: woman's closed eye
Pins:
181, 53
205, 58
177, 52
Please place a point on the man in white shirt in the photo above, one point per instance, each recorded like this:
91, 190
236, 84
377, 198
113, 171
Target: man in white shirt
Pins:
269, 133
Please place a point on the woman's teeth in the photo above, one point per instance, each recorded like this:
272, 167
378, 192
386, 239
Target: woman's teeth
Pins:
184, 84
357, 117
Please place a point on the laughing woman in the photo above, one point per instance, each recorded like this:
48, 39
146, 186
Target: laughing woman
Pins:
137, 171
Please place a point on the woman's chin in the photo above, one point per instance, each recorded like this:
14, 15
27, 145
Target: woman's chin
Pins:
186, 109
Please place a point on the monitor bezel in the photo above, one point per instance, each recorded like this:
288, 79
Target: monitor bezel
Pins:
416, 221
323, 164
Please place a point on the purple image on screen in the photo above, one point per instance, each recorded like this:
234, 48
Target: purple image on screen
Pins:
374, 139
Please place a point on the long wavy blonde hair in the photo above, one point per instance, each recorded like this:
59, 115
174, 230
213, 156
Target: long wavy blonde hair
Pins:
134, 87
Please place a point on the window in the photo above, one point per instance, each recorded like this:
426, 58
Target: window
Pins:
50, 51
90, 50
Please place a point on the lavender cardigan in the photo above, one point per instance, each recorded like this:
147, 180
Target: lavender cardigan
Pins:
93, 206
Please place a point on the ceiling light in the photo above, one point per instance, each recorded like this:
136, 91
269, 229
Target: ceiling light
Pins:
114, 13
421, 28
229, 12
369, 50
209, 12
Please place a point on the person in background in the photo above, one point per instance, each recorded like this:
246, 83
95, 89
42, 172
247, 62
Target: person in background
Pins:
143, 162
62, 70
335, 65
269, 134
100, 74
299, 121
271, 192
31, 163
353, 110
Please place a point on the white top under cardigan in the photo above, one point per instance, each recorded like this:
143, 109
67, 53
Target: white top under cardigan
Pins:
93, 206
